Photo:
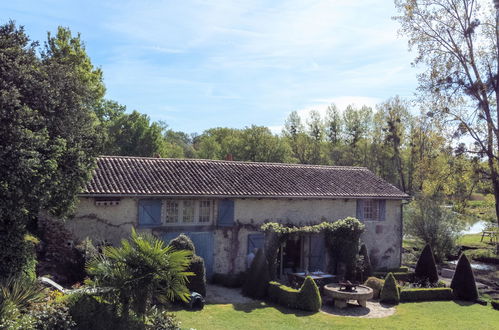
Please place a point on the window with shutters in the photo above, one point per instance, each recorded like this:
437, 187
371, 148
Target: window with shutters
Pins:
371, 209
188, 212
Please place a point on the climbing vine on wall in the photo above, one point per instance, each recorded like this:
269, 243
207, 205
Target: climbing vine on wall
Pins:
342, 240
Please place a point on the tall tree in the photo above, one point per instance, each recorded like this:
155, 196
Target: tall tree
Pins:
47, 141
457, 41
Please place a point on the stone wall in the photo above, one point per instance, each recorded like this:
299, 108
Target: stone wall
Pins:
114, 222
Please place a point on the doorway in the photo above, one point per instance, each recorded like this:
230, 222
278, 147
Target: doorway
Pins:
291, 256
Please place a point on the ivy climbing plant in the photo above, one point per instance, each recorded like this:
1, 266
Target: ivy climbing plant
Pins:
342, 240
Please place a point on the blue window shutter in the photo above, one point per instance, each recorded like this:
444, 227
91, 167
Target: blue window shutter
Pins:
360, 209
226, 213
255, 241
382, 210
149, 212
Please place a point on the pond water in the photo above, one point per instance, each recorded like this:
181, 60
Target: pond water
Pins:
476, 228
478, 266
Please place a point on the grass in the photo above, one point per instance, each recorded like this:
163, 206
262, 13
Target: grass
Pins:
258, 315
473, 240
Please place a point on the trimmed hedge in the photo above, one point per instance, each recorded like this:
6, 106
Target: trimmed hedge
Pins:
430, 294
197, 283
402, 269
495, 304
307, 298
463, 281
376, 284
229, 280
258, 278
390, 291
182, 242
399, 276
426, 269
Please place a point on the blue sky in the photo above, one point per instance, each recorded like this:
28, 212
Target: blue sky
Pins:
202, 64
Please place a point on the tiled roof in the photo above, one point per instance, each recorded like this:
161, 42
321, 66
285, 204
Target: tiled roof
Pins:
117, 175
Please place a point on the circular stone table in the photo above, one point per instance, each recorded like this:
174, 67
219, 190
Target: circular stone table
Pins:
362, 293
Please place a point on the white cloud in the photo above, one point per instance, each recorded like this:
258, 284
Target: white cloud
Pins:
341, 102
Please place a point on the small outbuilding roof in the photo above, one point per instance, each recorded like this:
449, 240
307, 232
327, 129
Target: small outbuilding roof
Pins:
139, 176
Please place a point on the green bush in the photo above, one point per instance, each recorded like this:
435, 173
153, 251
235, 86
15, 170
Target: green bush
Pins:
229, 280
309, 298
52, 317
495, 304
376, 284
90, 313
364, 267
162, 320
426, 269
426, 294
182, 242
273, 291
463, 281
197, 283
402, 276
288, 297
257, 281
390, 292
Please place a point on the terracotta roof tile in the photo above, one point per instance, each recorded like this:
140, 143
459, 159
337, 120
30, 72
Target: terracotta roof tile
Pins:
117, 175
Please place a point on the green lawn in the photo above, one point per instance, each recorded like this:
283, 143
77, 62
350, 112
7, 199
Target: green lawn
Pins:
473, 240
426, 315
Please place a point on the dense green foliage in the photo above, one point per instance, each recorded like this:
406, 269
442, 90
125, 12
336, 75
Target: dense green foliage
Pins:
390, 293
426, 269
17, 294
182, 242
364, 268
140, 271
258, 277
426, 294
376, 284
307, 298
91, 313
52, 317
48, 138
463, 281
456, 44
426, 219
197, 282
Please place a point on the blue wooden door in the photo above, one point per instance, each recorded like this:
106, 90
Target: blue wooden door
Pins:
205, 246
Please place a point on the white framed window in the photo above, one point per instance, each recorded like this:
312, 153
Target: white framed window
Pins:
171, 211
188, 212
371, 209
205, 207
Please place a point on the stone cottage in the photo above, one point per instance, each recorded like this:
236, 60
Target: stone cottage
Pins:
222, 204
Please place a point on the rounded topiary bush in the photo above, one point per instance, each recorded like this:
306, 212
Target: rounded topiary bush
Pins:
182, 242
376, 284
197, 283
309, 297
426, 269
390, 293
463, 282
258, 277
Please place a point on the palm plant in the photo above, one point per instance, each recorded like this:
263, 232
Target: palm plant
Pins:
142, 270
17, 294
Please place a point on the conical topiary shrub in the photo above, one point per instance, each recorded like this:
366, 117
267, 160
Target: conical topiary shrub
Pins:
257, 279
309, 297
390, 293
426, 269
367, 270
463, 282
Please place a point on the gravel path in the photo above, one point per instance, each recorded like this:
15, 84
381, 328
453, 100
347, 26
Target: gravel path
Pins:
216, 294
373, 310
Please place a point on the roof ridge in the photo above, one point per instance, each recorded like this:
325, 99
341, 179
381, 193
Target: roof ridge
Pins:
236, 162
